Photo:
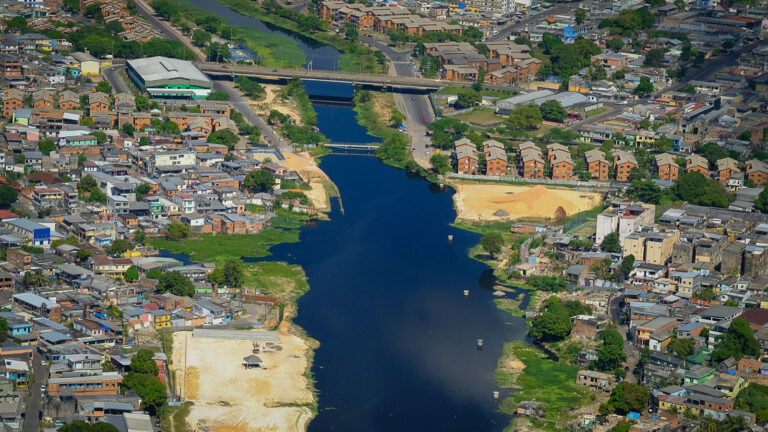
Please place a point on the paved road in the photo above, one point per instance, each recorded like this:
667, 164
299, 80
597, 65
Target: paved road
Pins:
113, 77
165, 28
34, 401
416, 107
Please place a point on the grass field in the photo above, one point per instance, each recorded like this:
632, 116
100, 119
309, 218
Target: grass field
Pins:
544, 380
216, 247
596, 112
275, 50
480, 116
278, 279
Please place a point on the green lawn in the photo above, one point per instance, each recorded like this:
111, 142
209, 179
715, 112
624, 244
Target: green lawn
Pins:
480, 116
546, 381
278, 279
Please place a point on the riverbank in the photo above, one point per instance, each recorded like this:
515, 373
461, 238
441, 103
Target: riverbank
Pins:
375, 111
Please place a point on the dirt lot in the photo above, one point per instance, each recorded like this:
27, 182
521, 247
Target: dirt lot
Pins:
227, 397
312, 174
479, 201
273, 101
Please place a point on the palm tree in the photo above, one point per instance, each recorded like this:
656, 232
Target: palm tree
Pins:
34, 278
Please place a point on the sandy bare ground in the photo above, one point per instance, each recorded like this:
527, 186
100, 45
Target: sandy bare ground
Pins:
273, 101
479, 201
227, 397
307, 168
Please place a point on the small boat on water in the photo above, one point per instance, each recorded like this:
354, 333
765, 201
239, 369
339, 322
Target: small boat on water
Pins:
450, 237
466, 293
479, 343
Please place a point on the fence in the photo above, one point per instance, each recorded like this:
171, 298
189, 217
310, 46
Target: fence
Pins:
577, 183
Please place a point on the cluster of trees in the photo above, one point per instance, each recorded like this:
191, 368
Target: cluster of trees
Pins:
143, 379
469, 34
681, 347
119, 247
177, 231
81, 426
101, 40
8, 196
225, 137
737, 342
260, 180
566, 59
445, 131
692, 187
306, 23
175, 283
230, 274
626, 22
611, 354
394, 149
250, 87
554, 323
626, 397
611, 243
88, 190
754, 399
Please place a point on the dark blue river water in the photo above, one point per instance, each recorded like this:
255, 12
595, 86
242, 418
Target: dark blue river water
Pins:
398, 348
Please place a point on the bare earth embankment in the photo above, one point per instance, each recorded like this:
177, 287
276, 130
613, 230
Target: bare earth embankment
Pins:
496, 202
228, 397
307, 168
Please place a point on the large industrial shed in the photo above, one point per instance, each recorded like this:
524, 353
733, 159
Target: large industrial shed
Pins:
164, 77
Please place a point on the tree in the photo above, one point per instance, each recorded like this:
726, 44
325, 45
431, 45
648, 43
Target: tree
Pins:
83, 254
3, 329
154, 274
644, 88
46, 146
646, 191
440, 163
142, 362
467, 98
128, 128
611, 354
217, 52
139, 236
554, 324
142, 103
627, 264
34, 278
396, 119
754, 399
119, 247
553, 110
73, 5
615, 44
478, 84
229, 274
738, 341
761, 202
681, 347
101, 137
699, 190
149, 388
201, 37
8, 196
654, 57
492, 243
627, 396
177, 231
260, 180
104, 87
175, 283
165, 8
131, 275
524, 118
611, 243
225, 137
580, 15
143, 189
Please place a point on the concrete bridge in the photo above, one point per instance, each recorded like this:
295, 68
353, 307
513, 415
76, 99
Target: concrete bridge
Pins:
352, 146
383, 81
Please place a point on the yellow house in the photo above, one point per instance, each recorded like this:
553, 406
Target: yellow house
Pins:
730, 384
87, 63
670, 403
162, 319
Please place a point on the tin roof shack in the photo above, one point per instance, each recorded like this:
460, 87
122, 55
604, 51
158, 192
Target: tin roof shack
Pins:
38, 305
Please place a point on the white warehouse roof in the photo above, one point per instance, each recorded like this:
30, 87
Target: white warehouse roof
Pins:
164, 71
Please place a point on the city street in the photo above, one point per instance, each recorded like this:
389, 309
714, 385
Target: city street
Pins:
34, 401
416, 107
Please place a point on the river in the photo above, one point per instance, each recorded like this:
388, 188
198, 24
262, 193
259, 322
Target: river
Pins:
398, 339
